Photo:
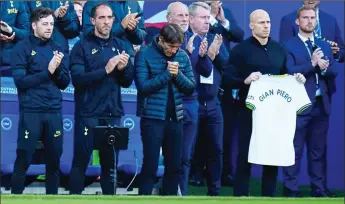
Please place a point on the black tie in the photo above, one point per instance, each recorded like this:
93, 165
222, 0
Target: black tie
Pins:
310, 46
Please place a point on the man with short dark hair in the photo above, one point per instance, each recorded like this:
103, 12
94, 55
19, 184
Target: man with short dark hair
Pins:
99, 68
67, 25
163, 74
40, 70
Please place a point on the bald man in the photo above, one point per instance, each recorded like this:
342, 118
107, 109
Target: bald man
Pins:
196, 49
255, 56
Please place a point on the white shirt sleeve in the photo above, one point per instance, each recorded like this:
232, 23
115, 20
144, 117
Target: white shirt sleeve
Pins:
301, 98
226, 25
213, 20
253, 95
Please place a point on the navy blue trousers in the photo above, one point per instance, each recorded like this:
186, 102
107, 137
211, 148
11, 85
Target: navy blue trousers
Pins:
210, 145
83, 148
169, 135
230, 113
190, 128
311, 130
33, 127
243, 168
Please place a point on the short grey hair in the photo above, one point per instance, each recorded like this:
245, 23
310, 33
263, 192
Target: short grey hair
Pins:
171, 4
192, 8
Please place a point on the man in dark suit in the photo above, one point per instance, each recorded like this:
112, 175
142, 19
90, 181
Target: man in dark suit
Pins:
210, 127
223, 22
313, 58
326, 28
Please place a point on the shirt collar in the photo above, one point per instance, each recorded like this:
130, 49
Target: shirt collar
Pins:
305, 39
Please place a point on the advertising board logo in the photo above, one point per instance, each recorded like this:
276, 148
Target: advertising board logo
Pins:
128, 123
6, 123
67, 124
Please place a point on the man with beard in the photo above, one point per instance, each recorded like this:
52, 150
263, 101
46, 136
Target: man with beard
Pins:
67, 25
313, 58
128, 22
326, 28
40, 70
99, 68
255, 56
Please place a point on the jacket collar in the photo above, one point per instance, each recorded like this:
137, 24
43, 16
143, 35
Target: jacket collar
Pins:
103, 42
255, 41
37, 41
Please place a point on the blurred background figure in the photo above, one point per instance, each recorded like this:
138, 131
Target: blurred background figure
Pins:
14, 27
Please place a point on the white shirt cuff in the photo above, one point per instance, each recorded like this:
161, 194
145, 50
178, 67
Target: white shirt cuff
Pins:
213, 20
226, 25
324, 71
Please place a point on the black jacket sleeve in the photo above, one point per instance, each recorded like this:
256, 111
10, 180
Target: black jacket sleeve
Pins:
81, 78
19, 66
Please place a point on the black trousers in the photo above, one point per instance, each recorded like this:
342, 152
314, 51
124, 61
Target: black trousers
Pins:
33, 127
83, 148
169, 135
230, 114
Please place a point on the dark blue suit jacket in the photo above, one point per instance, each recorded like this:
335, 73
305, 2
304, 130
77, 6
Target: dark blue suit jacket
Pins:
329, 30
298, 61
234, 34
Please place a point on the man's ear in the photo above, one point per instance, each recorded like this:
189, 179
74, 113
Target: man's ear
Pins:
92, 20
297, 21
33, 26
191, 18
251, 26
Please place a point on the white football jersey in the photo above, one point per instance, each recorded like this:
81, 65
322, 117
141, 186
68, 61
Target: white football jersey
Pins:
275, 101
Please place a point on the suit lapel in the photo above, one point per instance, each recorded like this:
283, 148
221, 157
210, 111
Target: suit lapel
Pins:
302, 48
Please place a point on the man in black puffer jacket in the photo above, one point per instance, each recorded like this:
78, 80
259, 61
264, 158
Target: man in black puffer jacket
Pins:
163, 73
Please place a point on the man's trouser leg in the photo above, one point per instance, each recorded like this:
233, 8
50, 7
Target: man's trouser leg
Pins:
211, 117
29, 131
230, 115
152, 133
172, 153
243, 168
190, 128
53, 141
83, 147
